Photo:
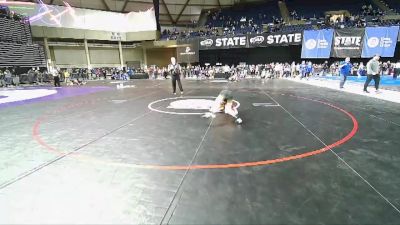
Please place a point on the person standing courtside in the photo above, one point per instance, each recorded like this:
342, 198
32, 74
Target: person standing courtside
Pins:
56, 76
373, 73
175, 71
396, 70
345, 70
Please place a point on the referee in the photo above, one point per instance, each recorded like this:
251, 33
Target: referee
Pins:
56, 77
175, 71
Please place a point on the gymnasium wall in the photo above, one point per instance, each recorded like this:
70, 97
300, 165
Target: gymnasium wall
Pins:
71, 33
133, 54
102, 57
67, 56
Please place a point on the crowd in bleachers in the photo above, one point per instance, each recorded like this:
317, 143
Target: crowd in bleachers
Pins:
14, 27
365, 15
240, 19
5, 12
79, 76
394, 5
304, 69
82, 74
266, 18
15, 76
245, 19
16, 45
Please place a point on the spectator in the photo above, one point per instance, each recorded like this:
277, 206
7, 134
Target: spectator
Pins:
361, 70
56, 76
373, 73
309, 70
396, 70
303, 67
345, 70
7, 77
66, 77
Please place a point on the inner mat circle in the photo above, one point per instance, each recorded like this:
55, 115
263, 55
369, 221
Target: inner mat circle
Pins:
198, 107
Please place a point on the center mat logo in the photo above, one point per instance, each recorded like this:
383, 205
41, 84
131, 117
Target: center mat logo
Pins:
194, 104
8, 96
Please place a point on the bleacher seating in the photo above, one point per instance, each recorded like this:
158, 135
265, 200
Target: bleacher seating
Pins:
296, 28
303, 7
266, 17
16, 47
389, 23
14, 54
393, 4
15, 31
244, 17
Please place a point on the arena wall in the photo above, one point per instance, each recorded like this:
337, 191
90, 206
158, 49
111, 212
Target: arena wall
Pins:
69, 33
69, 56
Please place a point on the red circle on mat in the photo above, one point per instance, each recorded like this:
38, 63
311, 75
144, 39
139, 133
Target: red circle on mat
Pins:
39, 121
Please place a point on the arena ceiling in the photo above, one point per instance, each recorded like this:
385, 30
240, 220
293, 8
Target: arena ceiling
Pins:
171, 11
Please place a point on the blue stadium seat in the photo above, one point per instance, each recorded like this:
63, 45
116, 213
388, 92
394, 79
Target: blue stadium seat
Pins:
314, 8
393, 4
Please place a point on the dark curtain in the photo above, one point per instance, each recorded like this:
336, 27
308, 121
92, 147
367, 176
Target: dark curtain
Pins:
251, 55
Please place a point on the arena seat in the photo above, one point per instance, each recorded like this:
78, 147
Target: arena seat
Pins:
393, 4
16, 47
314, 8
257, 13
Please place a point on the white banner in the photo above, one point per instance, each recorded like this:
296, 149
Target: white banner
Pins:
77, 18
